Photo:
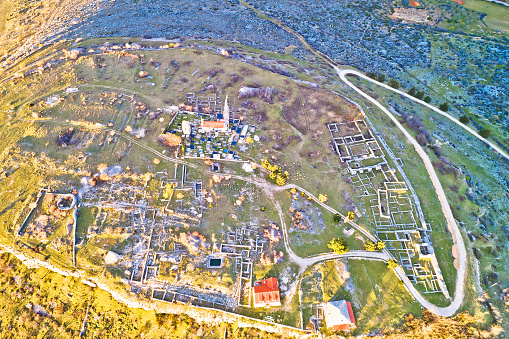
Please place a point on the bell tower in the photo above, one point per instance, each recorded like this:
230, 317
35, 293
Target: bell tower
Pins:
226, 113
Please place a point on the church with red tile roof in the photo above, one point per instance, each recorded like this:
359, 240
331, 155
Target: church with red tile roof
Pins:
339, 315
266, 293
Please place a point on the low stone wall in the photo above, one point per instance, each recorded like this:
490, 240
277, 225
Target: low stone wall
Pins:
202, 315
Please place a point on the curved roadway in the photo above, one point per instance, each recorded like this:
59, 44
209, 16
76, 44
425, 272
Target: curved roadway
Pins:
343, 73
446, 209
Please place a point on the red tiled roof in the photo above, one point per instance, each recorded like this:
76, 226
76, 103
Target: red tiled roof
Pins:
342, 327
266, 292
338, 315
266, 297
213, 124
350, 312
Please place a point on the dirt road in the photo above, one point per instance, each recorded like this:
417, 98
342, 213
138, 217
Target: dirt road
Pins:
446, 209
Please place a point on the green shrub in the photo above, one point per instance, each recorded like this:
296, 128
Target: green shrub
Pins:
444, 107
392, 264
464, 119
394, 83
485, 132
338, 245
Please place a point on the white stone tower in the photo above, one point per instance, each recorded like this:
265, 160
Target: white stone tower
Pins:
226, 113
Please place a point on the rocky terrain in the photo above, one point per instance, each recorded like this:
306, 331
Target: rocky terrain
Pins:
42, 23
444, 53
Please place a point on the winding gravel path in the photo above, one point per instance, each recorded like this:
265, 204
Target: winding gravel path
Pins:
343, 73
446, 209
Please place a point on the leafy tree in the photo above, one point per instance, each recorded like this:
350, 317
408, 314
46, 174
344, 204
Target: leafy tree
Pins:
392, 264
147, 176
380, 245
381, 78
444, 107
281, 181
350, 216
427, 99
419, 95
275, 172
371, 75
464, 119
338, 245
323, 197
370, 246
485, 132
394, 83
169, 139
412, 91
421, 139
265, 163
336, 218
168, 190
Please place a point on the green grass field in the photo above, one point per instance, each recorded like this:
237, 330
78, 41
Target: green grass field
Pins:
378, 299
497, 15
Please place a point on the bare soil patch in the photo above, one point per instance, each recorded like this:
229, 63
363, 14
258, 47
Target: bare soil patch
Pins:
313, 106
295, 116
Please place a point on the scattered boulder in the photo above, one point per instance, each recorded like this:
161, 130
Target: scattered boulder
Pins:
52, 100
69, 90
247, 168
38, 309
225, 53
273, 233
65, 137
193, 241
139, 133
72, 54
240, 200
266, 94
113, 170
112, 258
